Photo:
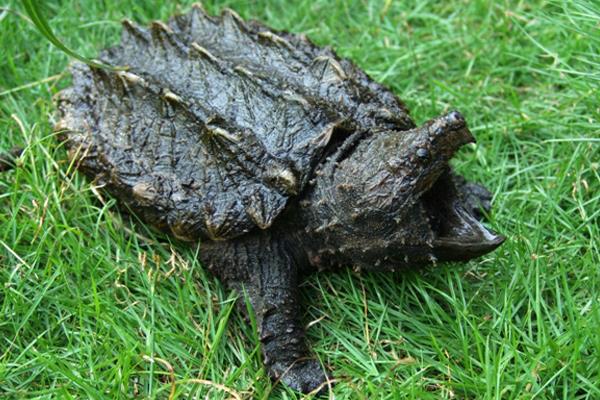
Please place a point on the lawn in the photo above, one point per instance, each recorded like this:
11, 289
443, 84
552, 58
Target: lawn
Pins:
94, 305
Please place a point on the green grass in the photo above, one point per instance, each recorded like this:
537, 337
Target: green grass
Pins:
88, 300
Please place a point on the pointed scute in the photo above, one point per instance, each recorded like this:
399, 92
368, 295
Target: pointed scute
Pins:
198, 51
132, 28
328, 69
229, 15
273, 37
264, 206
193, 175
160, 27
221, 217
131, 78
172, 97
220, 134
216, 123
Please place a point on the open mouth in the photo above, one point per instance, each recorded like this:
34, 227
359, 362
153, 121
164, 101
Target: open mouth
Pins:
458, 234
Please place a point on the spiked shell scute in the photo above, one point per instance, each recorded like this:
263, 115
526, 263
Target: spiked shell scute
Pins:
214, 123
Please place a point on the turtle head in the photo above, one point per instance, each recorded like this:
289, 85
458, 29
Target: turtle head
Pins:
392, 202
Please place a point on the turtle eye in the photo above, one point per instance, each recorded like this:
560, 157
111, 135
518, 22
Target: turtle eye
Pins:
422, 153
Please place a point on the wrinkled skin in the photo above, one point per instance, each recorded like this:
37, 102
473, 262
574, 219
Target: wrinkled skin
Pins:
278, 156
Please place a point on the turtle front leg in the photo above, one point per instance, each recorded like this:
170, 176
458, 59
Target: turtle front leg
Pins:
264, 269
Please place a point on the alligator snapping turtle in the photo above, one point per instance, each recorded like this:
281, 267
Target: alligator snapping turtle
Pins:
279, 156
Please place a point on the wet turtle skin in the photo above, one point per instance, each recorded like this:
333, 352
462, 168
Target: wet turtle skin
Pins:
275, 154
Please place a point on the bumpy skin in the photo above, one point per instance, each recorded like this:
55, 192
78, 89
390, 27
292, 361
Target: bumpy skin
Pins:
254, 111
277, 155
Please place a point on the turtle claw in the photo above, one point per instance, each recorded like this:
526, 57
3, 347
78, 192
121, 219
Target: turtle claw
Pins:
306, 376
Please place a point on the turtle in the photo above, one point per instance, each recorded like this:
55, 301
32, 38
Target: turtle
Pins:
277, 156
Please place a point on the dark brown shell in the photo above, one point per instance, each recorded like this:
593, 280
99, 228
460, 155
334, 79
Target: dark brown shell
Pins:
215, 123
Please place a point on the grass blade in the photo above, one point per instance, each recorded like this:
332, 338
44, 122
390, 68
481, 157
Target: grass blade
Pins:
42, 25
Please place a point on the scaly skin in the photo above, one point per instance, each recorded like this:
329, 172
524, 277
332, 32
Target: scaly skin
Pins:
264, 267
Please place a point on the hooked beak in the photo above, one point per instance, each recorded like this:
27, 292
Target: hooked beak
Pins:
457, 234
461, 236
